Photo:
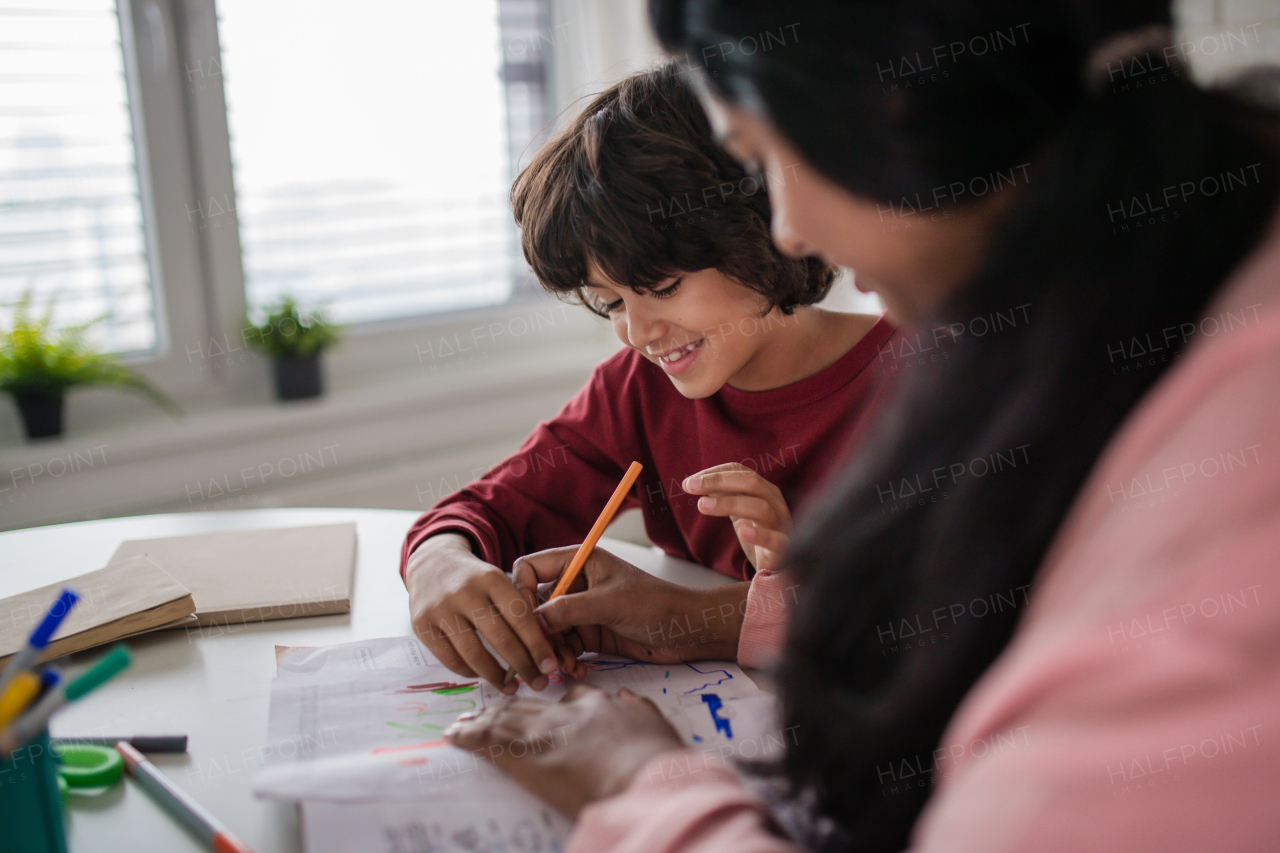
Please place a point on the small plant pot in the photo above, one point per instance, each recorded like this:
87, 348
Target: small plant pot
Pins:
298, 378
41, 416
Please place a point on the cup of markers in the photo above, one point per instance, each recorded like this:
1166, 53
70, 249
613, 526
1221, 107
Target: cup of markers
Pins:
34, 776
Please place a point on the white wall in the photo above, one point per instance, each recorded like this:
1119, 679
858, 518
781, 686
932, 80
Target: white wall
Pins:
399, 440
1220, 37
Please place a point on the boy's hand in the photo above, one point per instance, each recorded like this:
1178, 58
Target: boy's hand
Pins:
455, 598
754, 505
615, 608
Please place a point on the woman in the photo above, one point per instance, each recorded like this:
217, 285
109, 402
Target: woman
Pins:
1141, 236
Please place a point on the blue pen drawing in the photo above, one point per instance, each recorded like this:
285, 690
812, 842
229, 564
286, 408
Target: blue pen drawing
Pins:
611, 665
726, 675
714, 705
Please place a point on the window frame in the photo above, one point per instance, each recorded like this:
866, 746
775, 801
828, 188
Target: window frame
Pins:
183, 149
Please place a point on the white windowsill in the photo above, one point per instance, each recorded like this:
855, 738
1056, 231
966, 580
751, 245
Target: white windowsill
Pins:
366, 419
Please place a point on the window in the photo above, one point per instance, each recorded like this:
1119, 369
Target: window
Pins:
70, 211
370, 150
173, 165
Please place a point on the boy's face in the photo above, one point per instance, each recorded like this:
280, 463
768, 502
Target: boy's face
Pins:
703, 329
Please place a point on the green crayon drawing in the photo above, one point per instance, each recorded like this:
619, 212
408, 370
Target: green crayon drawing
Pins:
423, 709
455, 691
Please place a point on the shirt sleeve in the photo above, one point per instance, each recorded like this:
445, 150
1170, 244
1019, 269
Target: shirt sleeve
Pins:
683, 801
1148, 732
546, 494
764, 626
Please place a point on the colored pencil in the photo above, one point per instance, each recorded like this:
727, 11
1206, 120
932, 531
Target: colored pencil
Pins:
589, 544
34, 720
50, 678
142, 743
22, 689
26, 657
175, 801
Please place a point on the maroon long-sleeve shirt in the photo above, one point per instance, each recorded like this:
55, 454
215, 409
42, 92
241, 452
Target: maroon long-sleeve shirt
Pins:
549, 493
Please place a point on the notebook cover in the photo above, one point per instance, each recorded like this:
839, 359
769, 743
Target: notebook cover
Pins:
126, 598
258, 575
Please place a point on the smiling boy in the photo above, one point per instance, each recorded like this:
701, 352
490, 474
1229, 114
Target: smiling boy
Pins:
736, 391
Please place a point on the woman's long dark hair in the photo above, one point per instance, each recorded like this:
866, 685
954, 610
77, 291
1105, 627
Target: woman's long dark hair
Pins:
913, 572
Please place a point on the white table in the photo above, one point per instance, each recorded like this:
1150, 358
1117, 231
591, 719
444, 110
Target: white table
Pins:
213, 684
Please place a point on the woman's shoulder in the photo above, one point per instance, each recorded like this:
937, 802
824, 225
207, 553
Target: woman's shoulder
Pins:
1135, 688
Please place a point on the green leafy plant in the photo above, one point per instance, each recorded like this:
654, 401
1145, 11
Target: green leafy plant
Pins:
290, 333
34, 363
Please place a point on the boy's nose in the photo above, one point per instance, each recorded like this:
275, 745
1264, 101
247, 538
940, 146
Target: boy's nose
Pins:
643, 328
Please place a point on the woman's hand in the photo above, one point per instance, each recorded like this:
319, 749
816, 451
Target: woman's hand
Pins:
615, 608
455, 598
586, 747
754, 505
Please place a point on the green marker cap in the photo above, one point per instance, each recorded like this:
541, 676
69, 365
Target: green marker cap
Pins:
106, 667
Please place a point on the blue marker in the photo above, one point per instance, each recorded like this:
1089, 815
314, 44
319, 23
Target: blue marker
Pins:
37, 717
714, 705
40, 637
49, 679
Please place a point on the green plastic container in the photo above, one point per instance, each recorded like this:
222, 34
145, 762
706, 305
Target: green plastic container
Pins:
31, 819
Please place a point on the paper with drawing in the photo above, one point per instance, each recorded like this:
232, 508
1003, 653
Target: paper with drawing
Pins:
363, 721
407, 827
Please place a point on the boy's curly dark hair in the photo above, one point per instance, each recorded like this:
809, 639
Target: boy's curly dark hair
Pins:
637, 185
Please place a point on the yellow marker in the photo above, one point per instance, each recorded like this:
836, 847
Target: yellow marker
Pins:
22, 689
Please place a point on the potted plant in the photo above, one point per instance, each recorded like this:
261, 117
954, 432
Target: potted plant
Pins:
294, 339
38, 368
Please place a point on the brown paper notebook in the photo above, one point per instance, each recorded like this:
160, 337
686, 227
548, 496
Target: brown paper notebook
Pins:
258, 575
126, 598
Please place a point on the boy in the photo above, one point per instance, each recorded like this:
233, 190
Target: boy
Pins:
732, 384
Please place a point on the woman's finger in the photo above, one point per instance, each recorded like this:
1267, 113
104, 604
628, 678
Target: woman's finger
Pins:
626, 694
578, 692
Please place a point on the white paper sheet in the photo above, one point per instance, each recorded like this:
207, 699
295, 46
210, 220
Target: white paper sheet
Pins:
407, 827
354, 658
362, 721
434, 772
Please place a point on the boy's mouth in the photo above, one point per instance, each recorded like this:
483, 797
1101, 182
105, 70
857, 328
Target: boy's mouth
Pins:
678, 360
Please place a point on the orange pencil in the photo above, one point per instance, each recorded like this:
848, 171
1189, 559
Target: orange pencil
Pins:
588, 545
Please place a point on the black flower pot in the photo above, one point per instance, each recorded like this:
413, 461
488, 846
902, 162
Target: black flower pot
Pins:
298, 377
41, 416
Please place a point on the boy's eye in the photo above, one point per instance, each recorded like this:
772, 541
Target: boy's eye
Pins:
669, 290
610, 307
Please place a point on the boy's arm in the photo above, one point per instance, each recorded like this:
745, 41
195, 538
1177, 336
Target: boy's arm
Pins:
455, 560
550, 491
545, 495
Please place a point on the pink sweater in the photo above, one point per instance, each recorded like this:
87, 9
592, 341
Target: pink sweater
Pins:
1137, 708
